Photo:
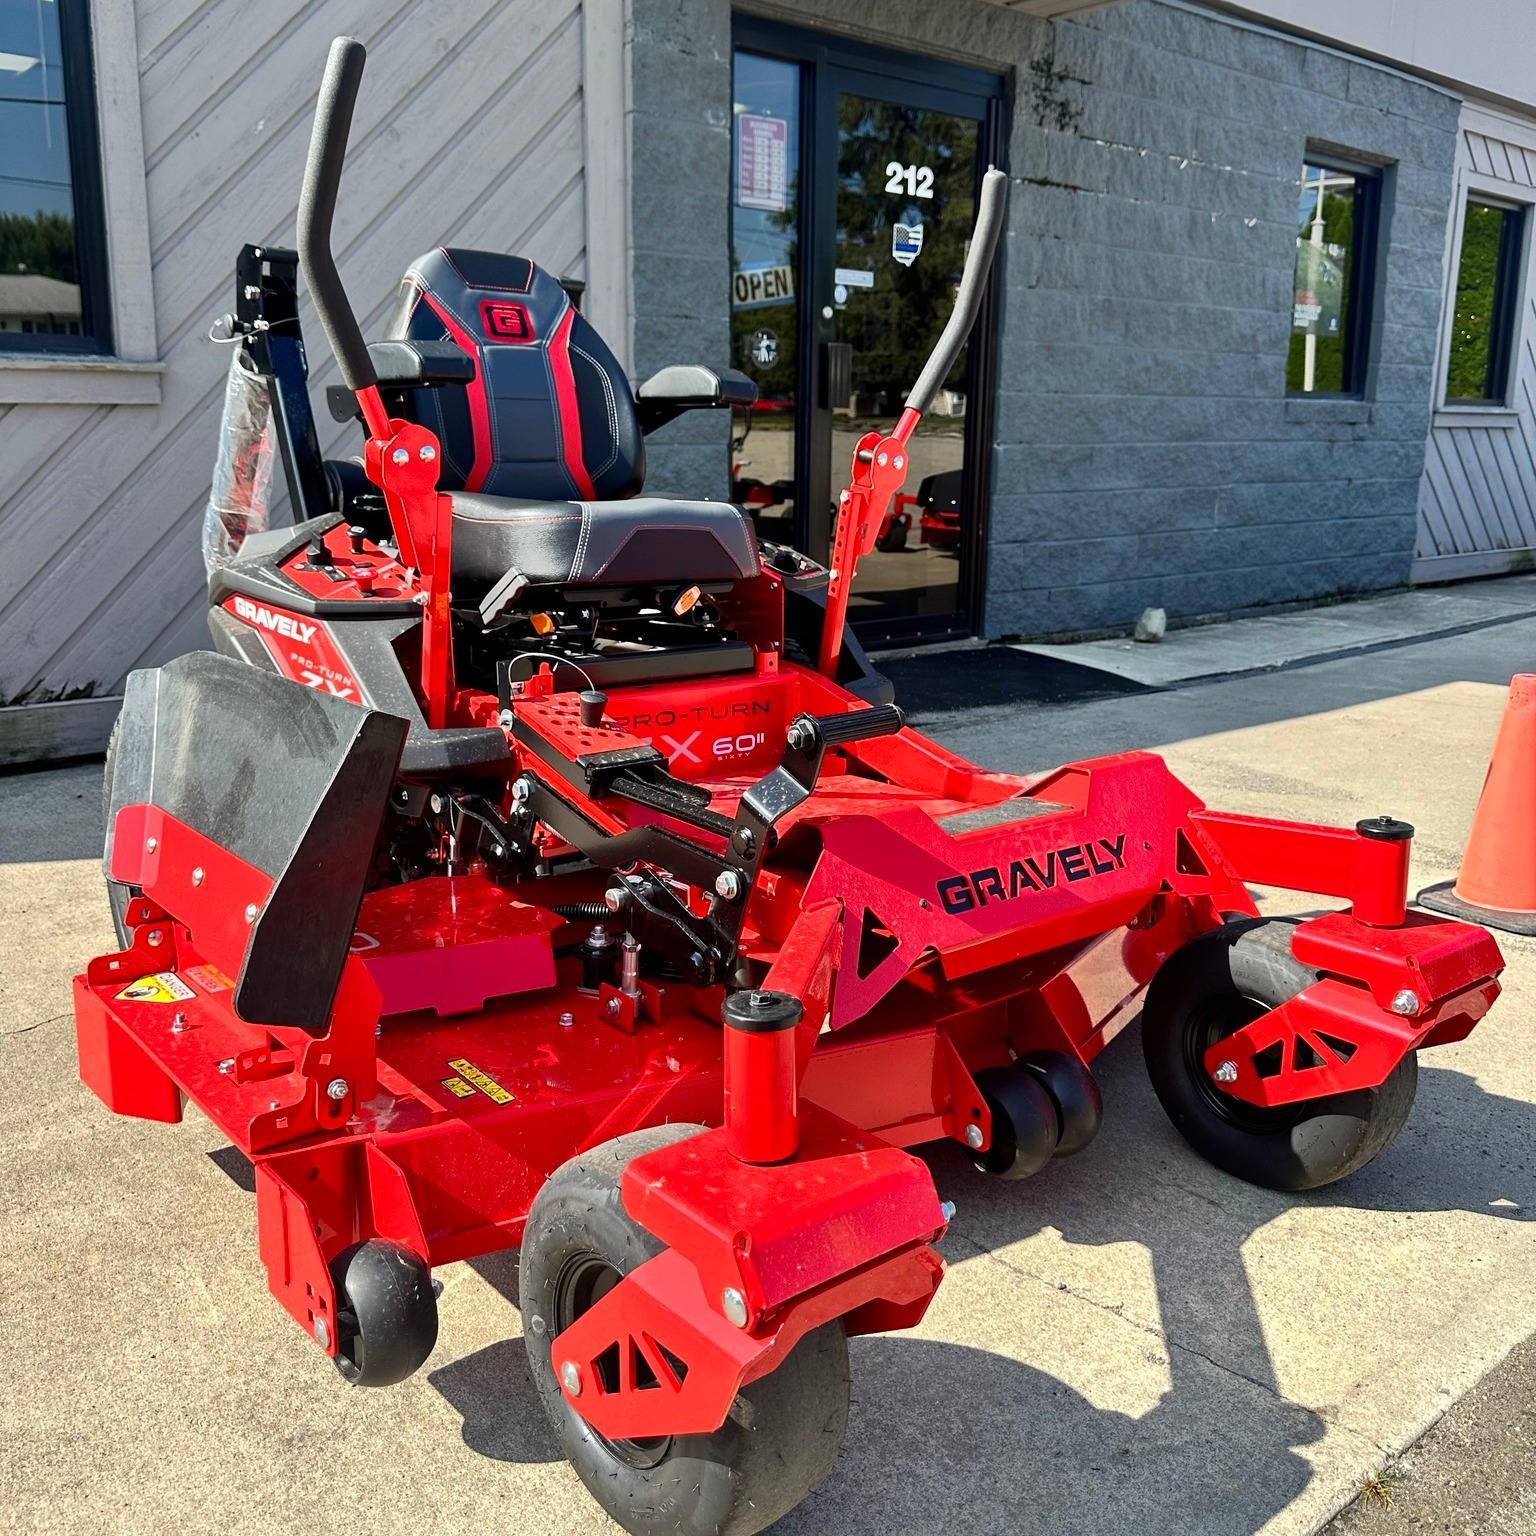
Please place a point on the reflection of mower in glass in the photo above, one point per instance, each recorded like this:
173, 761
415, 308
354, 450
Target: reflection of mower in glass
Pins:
526, 828
770, 501
938, 509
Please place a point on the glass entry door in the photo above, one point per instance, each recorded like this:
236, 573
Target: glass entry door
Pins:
906, 201
854, 192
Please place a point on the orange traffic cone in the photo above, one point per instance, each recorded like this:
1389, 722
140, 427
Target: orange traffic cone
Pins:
1497, 883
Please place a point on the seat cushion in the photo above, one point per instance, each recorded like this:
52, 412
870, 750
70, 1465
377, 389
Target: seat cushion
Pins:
648, 539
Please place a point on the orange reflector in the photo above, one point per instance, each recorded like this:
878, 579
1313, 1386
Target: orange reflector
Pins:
542, 624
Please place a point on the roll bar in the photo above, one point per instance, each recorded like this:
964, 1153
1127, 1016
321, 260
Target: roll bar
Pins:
317, 206
991, 207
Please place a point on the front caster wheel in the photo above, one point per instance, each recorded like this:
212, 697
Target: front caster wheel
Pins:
780, 1441
1079, 1104
386, 1313
1210, 989
1026, 1125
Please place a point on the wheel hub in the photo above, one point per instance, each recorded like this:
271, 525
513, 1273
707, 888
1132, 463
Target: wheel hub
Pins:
580, 1285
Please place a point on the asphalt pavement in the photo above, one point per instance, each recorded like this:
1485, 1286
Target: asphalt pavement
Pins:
1131, 1342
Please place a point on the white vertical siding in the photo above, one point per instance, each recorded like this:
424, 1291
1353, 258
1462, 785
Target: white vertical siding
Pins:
1477, 502
469, 130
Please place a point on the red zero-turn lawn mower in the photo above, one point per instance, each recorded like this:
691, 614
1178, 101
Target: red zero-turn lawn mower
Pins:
537, 863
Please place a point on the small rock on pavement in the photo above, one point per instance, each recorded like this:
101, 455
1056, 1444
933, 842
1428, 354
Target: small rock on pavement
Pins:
1151, 626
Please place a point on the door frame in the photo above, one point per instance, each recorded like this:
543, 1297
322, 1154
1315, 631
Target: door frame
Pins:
830, 63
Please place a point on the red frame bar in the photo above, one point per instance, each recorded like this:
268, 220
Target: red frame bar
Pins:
878, 472
403, 460
1370, 873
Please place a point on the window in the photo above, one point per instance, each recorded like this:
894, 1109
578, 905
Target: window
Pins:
765, 310
1487, 303
1337, 214
52, 246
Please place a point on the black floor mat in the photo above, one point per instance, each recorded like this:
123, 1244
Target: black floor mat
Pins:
944, 682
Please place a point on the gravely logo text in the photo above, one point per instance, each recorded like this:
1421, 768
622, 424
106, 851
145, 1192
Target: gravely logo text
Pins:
1080, 861
279, 623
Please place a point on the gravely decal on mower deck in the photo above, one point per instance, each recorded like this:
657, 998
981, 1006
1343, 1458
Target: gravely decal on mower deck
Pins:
1077, 861
302, 648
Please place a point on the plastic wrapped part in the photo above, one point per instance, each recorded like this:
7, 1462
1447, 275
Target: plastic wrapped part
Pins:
240, 501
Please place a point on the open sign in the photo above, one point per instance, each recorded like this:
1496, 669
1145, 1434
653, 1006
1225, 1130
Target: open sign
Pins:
755, 287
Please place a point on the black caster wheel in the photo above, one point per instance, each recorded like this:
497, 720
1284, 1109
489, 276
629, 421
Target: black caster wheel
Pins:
1025, 1125
386, 1313
1215, 986
895, 541
1079, 1104
578, 1244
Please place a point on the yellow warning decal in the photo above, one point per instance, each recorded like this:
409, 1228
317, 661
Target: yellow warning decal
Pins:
486, 1084
458, 1088
163, 987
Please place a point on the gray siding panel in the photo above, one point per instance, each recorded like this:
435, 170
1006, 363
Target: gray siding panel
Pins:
1477, 499
469, 129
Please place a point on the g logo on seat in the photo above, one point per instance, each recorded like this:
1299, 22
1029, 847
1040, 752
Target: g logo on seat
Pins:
503, 321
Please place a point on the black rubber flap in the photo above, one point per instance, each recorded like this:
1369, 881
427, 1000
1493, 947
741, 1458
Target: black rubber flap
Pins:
1443, 899
288, 779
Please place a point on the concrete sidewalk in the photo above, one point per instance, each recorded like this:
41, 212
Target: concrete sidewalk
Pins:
1283, 639
1131, 1342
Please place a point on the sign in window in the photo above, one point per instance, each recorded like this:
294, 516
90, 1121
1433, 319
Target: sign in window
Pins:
1335, 244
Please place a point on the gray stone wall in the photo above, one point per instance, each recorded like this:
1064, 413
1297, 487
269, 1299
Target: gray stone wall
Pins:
1146, 451
680, 138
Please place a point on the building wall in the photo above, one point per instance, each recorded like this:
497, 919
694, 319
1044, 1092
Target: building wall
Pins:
680, 149
1484, 46
1148, 454
1477, 502
1146, 451
469, 129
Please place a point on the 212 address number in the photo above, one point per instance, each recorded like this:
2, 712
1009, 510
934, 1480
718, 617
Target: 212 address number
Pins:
914, 180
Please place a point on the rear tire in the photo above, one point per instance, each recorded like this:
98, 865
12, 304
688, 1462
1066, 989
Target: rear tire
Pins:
1215, 986
118, 896
579, 1242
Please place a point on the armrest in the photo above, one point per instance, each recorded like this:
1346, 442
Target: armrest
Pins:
411, 364
405, 365
690, 387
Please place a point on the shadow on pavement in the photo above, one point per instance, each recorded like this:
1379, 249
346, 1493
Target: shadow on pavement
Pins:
945, 1436
493, 1392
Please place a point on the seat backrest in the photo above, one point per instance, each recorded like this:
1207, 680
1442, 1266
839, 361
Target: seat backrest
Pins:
550, 414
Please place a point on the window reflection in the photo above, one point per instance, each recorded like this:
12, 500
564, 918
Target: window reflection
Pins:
765, 255
1487, 293
39, 276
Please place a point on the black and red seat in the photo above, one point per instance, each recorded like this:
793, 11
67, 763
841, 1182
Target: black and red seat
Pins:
543, 449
